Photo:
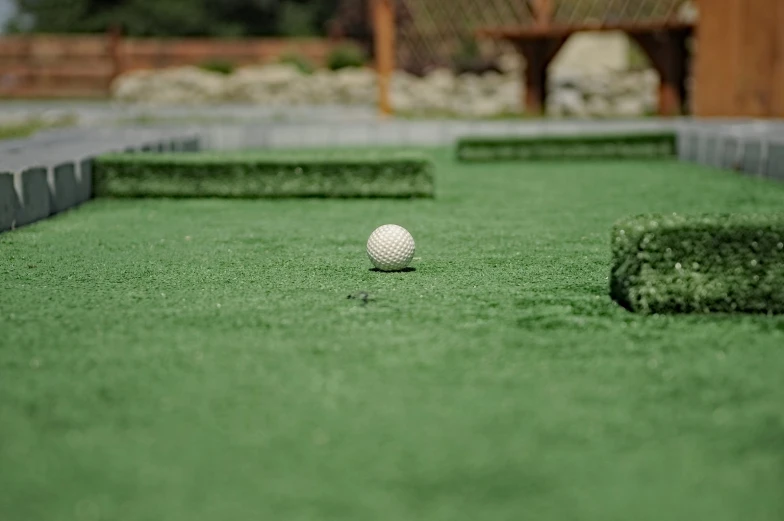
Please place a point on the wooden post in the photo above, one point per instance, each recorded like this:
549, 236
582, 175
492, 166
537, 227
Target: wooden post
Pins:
114, 38
739, 59
384, 42
538, 54
668, 54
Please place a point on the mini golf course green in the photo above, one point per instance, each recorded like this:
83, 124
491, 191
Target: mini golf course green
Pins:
199, 359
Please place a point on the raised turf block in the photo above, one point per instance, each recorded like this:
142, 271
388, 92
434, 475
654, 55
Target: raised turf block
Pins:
35, 197
9, 202
710, 263
568, 147
63, 186
248, 175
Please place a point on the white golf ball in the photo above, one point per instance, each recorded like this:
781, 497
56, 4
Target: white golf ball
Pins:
390, 247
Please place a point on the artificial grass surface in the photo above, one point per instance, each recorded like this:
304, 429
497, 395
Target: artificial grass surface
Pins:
200, 360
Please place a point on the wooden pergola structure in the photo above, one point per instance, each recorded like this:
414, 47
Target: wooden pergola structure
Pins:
663, 41
540, 32
738, 50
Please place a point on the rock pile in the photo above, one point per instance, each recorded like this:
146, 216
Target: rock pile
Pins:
440, 92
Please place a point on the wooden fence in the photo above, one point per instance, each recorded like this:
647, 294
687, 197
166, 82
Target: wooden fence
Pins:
82, 66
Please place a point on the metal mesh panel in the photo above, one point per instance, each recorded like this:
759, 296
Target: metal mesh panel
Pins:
576, 11
430, 31
435, 29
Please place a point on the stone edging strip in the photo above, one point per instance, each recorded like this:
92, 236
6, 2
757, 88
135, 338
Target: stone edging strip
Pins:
37, 182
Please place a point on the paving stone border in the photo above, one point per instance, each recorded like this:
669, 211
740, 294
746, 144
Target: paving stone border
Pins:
9, 201
52, 172
754, 148
42, 177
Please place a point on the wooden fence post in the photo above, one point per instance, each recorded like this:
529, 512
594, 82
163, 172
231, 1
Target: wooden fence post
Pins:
384, 41
114, 40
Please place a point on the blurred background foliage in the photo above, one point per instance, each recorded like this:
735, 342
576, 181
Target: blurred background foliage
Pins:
234, 18
217, 18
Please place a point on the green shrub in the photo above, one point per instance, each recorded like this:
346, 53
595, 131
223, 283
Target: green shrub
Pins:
292, 174
706, 263
218, 66
302, 64
569, 147
297, 19
345, 56
466, 55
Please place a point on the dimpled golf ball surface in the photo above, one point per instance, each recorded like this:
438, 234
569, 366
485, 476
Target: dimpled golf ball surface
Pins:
390, 247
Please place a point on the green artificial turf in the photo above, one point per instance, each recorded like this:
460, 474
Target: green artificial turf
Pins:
200, 360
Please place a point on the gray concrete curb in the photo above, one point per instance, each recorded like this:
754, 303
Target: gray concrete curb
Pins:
55, 176
755, 148
9, 201
35, 198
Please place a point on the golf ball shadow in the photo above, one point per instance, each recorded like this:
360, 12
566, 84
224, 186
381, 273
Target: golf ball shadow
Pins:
404, 270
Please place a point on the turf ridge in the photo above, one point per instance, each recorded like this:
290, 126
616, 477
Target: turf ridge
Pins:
568, 147
699, 263
390, 174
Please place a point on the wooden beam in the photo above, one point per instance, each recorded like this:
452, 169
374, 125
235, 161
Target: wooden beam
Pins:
778, 70
540, 31
537, 54
114, 42
384, 42
668, 54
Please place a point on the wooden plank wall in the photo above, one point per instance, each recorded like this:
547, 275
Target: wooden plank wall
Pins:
739, 59
83, 66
